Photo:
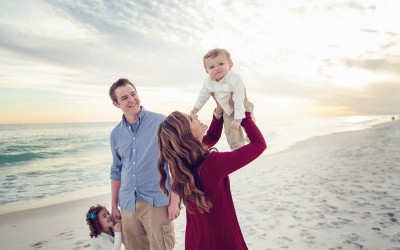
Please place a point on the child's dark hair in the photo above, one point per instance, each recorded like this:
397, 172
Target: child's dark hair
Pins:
93, 221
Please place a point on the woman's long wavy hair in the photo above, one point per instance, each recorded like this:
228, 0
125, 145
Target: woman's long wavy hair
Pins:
184, 155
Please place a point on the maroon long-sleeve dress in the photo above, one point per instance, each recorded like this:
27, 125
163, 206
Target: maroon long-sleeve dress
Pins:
219, 229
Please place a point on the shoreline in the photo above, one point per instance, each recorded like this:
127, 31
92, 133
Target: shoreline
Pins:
19, 206
82, 194
23, 178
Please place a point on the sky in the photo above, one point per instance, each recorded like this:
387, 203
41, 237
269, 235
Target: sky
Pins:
297, 58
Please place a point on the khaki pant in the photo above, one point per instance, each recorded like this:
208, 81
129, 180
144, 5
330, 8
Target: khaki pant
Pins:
147, 228
236, 138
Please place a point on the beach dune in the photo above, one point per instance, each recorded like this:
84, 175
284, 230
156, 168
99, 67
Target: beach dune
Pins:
338, 191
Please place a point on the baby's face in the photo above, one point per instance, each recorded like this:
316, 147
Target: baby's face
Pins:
217, 67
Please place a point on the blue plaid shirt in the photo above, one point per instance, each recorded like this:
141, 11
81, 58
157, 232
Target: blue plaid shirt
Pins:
135, 156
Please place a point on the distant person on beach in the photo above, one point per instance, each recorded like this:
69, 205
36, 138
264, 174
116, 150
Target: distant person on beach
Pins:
225, 83
201, 176
146, 213
105, 235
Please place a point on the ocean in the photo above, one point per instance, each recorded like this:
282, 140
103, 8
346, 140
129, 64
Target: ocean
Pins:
43, 160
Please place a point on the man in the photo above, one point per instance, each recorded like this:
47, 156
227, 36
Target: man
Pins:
146, 213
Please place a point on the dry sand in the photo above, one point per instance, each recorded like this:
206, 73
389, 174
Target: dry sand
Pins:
339, 191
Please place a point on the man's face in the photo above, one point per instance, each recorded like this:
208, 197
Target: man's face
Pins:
127, 100
217, 67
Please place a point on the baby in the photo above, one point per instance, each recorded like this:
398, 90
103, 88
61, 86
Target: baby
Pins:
229, 91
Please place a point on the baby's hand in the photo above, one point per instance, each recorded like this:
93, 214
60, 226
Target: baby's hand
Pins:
194, 111
117, 227
235, 124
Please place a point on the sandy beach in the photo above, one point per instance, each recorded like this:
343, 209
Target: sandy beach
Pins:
338, 191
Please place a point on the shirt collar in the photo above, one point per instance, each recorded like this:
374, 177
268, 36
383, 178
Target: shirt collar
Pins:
140, 118
224, 78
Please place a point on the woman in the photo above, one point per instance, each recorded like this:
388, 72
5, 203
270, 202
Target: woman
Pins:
104, 234
200, 176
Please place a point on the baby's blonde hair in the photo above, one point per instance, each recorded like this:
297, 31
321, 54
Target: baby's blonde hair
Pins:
214, 53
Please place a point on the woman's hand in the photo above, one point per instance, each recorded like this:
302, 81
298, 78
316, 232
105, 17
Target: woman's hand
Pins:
173, 207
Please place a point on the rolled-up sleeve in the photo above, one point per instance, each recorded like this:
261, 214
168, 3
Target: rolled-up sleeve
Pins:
115, 173
204, 95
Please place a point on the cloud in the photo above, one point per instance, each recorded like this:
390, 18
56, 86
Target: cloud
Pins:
376, 98
358, 6
392, 34
370, 30
388, 64
354, 5
389, 45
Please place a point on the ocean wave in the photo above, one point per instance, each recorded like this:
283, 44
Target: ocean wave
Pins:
6, 159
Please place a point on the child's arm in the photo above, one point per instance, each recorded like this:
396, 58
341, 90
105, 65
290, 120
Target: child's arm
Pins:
203, 97
117, 236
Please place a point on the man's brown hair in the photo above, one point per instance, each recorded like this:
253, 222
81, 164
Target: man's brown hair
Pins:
120, 83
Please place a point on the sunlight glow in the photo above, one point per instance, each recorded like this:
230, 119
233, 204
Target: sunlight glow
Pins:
353, 77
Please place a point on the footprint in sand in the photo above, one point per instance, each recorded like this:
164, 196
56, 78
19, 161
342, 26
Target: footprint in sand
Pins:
391, 216
336, 248
307, 237
376, 230
261, 208
341, 222
280, 209
344, 221
386, 219
275, 225
395, 238
39, 244
366, 215
68, 235
250, 218
252, 231
352, 239
321, 225
263, 236
358, 245
82, 244
283, 241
